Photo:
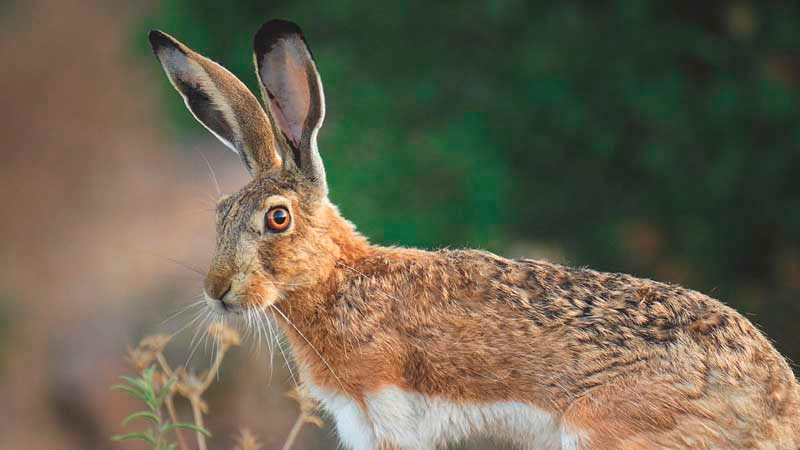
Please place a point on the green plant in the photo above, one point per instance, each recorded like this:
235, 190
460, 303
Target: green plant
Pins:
159, 384
152, 388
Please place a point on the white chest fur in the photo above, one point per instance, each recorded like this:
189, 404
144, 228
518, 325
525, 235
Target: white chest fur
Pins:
411, 421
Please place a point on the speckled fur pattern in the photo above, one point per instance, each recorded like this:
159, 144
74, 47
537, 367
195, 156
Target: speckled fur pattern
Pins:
609, 360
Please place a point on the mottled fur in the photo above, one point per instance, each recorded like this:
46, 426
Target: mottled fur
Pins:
619, 361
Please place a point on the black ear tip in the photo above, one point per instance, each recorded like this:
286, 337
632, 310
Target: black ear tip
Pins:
159, 39
270, 32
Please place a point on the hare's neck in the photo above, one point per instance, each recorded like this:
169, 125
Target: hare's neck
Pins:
325, 324
315, 335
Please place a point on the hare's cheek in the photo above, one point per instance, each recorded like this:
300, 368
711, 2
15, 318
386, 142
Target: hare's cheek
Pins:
262, 293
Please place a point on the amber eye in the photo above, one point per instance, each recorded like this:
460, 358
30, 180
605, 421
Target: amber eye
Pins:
278, 219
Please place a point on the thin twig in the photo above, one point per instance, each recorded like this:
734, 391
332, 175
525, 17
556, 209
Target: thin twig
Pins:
198, 420
214, 369
173, 415
298, 425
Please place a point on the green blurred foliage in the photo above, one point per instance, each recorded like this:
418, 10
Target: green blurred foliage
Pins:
634, 134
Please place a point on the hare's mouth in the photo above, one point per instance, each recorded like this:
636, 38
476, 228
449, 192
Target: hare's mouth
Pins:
227, 304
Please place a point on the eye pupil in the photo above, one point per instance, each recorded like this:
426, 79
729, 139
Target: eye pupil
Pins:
278, 219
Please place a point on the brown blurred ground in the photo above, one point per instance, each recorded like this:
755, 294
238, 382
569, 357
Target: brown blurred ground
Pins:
96, 201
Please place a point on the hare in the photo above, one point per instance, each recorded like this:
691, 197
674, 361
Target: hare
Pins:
411, 350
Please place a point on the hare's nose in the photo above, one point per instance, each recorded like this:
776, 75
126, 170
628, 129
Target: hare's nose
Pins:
217, 286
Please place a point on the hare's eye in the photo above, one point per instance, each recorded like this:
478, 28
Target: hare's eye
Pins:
278, 219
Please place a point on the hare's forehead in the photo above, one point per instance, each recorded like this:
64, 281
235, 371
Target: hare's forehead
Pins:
233, 208
240, 206
237, 208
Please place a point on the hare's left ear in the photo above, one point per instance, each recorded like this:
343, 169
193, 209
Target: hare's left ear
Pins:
220, 102
292, 91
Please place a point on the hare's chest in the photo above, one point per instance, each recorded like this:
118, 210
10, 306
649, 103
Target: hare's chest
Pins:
412, 421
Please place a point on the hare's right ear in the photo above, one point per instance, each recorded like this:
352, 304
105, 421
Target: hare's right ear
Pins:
292, 92
220, 102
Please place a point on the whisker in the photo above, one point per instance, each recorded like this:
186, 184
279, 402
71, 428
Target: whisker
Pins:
262, 318
213, 176
217, 349
182, 310
188, 324
256, 321
281, 283
201, 327
288, 364
279, 344
324, 361
180, 263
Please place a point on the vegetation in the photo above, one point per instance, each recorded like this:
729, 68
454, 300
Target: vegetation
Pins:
158, 385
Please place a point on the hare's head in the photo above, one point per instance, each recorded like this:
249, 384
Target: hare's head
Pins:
279, 231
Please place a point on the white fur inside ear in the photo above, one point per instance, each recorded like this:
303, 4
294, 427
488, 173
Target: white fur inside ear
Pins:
182, 69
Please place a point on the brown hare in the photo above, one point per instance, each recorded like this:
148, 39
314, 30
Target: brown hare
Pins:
411, 349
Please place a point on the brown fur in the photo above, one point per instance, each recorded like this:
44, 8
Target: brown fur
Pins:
637, 362
633, 363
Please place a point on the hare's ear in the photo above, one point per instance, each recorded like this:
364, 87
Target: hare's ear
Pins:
220, 102
292, 91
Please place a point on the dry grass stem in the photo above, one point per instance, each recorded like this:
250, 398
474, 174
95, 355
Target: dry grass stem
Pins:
247, 441
192, 387
307, 409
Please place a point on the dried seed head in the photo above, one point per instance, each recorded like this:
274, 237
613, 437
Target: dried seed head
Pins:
315, 420
155, 343
227, 336
139, 358
308, 406
188, 384
246, 441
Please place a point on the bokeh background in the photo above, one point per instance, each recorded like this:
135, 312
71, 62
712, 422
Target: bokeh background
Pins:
656, 138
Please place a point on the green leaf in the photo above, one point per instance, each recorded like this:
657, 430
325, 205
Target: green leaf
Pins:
141, 415
143, 436
133, 391
185, 426
141, 384
147, 374
165, 390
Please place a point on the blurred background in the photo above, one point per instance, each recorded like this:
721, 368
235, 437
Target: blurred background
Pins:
660, 139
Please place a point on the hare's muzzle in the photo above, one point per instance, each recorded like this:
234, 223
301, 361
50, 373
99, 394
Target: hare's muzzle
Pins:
216, 288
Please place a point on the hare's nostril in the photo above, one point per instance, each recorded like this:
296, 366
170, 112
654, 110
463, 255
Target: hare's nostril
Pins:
221, 304
222, 296
217, 287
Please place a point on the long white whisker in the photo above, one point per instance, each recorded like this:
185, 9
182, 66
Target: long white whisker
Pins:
188, 324
257, 330
182, 310
217, 350
201, 327
269, 333
185, 265
288, 364
283, 352
213, 176
262, 318
282, 283
324, 361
